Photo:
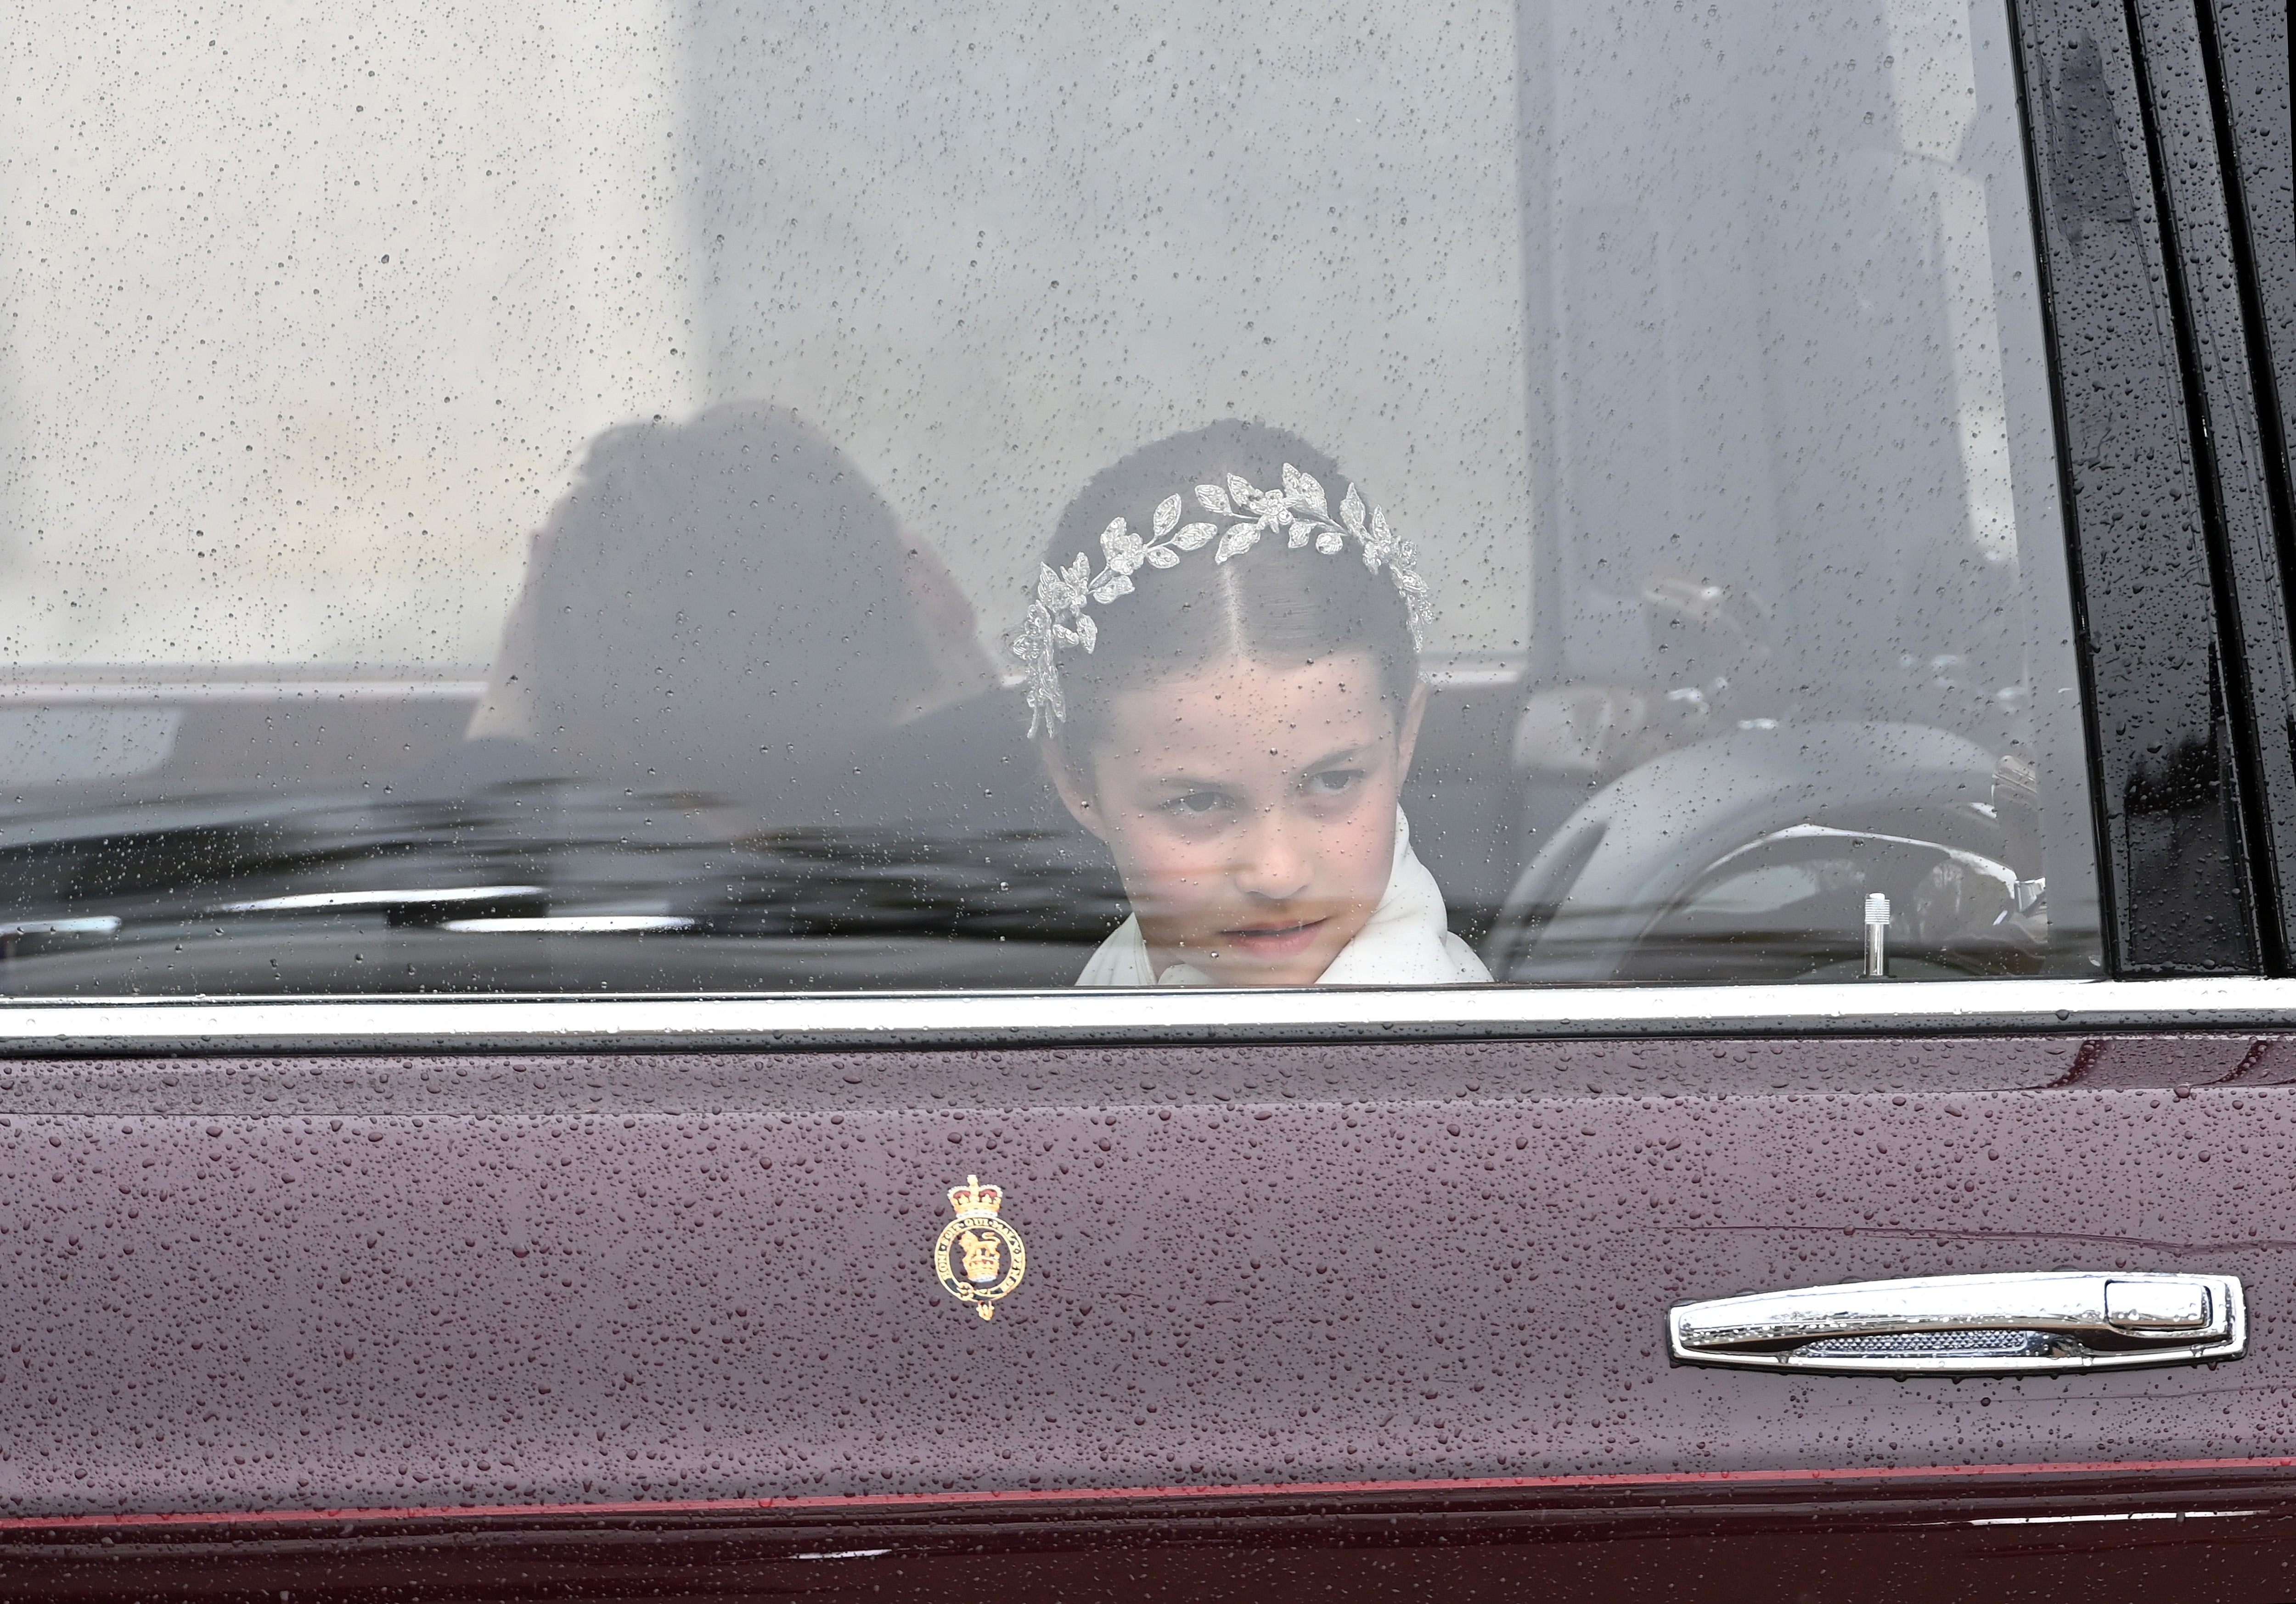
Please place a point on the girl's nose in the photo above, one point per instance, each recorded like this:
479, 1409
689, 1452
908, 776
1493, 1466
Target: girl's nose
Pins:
1277, 862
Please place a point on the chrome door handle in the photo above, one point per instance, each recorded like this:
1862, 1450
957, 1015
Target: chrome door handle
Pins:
1966, 1325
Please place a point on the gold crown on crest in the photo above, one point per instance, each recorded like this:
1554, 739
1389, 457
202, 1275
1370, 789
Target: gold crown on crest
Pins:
974, 1198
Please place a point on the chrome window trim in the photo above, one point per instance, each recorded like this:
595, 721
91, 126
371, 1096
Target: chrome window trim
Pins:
50, 1027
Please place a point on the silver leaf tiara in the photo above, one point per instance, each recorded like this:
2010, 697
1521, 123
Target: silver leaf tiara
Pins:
1057, 617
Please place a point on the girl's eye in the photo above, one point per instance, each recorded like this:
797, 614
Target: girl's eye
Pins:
1195, 804
1332, 782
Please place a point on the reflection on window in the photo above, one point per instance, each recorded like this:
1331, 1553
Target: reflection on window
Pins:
714, 498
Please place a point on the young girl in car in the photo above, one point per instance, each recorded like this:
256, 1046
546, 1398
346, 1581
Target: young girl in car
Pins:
1229, 695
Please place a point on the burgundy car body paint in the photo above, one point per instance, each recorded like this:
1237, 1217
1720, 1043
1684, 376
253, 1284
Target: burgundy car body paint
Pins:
1336, 1294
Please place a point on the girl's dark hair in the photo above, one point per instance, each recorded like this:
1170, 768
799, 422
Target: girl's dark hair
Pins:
1271, 603
720, 600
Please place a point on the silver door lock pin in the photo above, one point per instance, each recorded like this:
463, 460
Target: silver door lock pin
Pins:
1877, 936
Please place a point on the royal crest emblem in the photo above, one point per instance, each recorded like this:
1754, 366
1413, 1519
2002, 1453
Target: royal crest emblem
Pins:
979, 1258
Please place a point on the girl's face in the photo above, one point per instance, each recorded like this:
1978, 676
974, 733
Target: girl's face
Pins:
1250, 809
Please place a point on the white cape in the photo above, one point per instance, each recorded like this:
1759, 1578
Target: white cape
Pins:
1405, 942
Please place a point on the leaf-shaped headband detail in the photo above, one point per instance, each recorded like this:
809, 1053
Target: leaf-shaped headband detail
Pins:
1058, 618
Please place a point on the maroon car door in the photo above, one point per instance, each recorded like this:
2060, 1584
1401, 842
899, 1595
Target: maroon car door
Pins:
1301, 1318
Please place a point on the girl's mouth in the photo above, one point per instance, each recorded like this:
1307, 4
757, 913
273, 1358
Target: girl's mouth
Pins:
1275, 941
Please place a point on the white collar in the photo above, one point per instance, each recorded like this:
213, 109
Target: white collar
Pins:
1405, 942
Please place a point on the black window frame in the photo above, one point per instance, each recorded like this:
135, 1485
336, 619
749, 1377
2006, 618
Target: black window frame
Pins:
2169, 320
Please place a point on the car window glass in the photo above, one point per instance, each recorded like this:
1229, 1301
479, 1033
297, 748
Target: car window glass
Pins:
759, 497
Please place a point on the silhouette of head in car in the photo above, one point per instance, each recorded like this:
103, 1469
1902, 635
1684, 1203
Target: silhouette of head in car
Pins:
728, 606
